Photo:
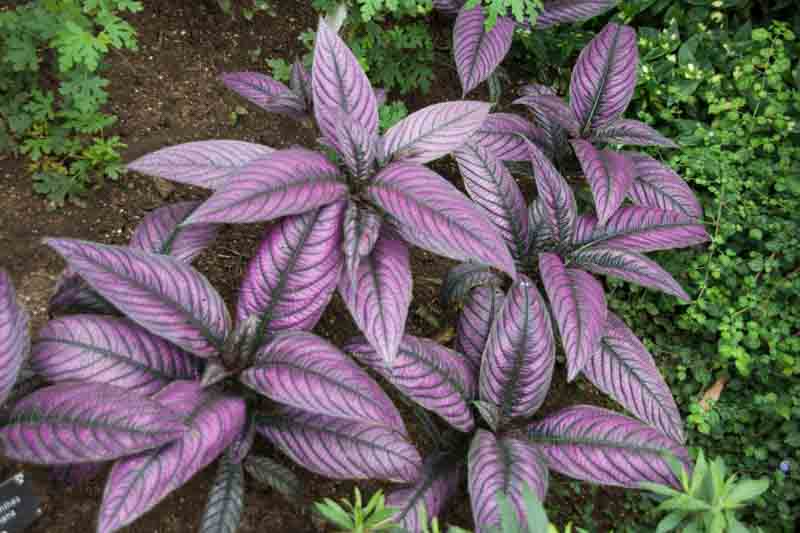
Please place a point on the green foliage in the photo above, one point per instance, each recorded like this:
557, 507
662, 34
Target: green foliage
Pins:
521, 10
60, 130
391, 113
355, 517
535, 516
248, 11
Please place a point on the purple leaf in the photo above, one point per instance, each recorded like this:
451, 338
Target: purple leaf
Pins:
448, 7
15, 337
275, 476
518, 361
380, 97
161, 294
136, 484
361, 229
610, 175
431, 375
625, 370
289, 182
500, 134
108, 350
294, 273
434, 131
536, 89
73, 475
657, 185
340, 85
603, 447
549, 110
73, 295
160, 232
85, 423
379, 294
240, 347
475, 322
579, 308
642, 229
223, 512
241, 446
556, 199
356, 145
462, 278
489, 183
478, 51
305, 371
568, 11
541, 234
625, 131
300, 83
214, 373
206, 164
630, 266
265, 92
434, 215
502, 466
342, 449
604, 77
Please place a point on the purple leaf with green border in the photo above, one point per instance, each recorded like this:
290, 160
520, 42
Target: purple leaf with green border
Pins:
15, 337
556, 201
500, 134
265, 92
626, 131
610, 176
657, 185
475, 322
478, 52
160, 232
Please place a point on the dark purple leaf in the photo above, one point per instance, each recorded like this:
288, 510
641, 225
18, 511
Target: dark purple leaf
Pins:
478, 51
108, 350
475, 322
556, 199
160, 232
265, 92
625, 131
342, 449
73, 295
15, 337
462, 278
434, 215
274, 475
500, 134
434, 131
356, 145
604, 77
379, 294
518, 361
161, 294
551, 110
289, 182
585, 226
502, 466
657, 185
214, 373
431, 375
241, 446
73, 475
448, 7
568, 11
305, 371
206, 164
300, 83
603, 447
85, 423
361, 229
578, 303
223, 512
625, 370
610, 175
541, 234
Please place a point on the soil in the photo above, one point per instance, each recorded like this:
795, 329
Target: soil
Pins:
164, 94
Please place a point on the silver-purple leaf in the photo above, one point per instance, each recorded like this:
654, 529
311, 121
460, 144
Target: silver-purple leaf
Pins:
223, 512
274, 475
475, 322
108, 350
15, 337
604, 447
356, 145
289, 182
625, 370
630, 266
657, 185
305, 371
550, 110
462, 278
556, 201
434, 215
361, 229
626, 131
340, 85
568, 11
379, 295
477, 51
429, 374
342, 449
500, 134
168, 298
74, 422
434, 131
73, 295
610, 175
207, 164
160, 232
502, 466
604, 77
294, 273
519, 357
300, 82
265, 92
489, 183
578, 303
541, 233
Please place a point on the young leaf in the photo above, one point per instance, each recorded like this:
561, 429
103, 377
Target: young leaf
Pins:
356, 145
568, 11
500, 134
625, 131
556, 200
160, 232
76, 474
223, 511
274, 475
477, 51
265, 92
610, 176
475, 322
361, 229
657, 185
14, 336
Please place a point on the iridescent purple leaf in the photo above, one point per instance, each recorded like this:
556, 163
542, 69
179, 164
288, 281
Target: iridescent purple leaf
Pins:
108, 350
518, 361
342, 449
160, 232
541, 234
274, 475
294, 273
625, 131
434, 215
604, 77
502, 466
585, 226
568, 11
489, 183
356, 145
379, 294
630, 266
500, 134
340, 85
15, 337
536, 89
610, 175
477, 51
289, 182
603, 447
657, 185
556, 199
73, 295
265, 92
431, 375
206, 164
85, 423
462, 278
300, 82
434, 131
625, 370
161, 294
223, 512
241, 446
475, 322
361, 229
578, 303
551, 109
305, 371
448, 7
73, 475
